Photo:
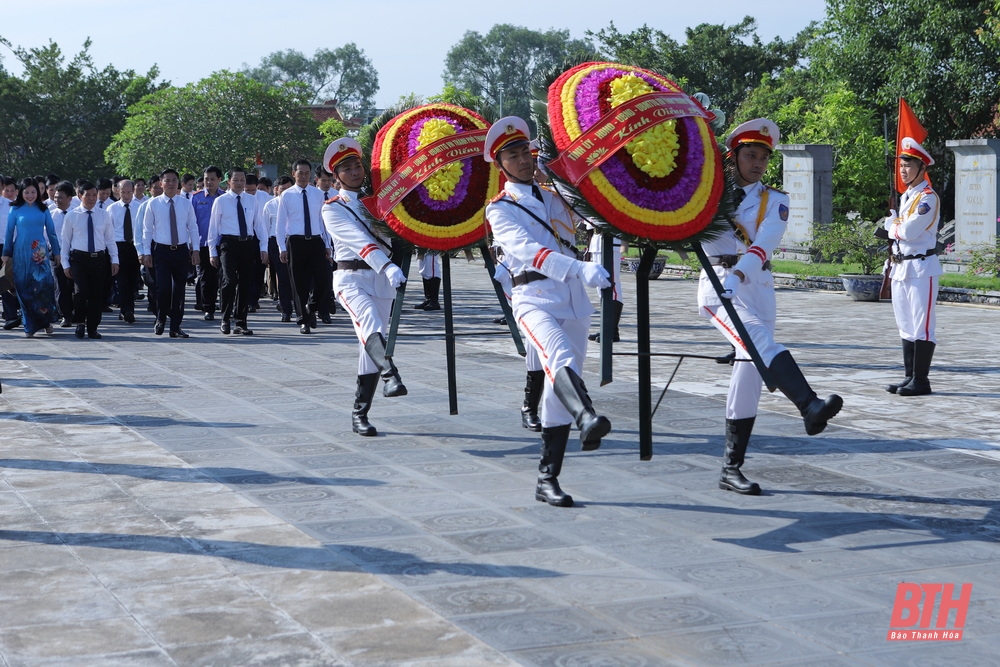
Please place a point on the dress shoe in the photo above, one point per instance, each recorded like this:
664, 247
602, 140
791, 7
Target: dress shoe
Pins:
108, 309
65, 324
29, 334
305, 329
48, 329
80, 330
94, 335
326, 319
178, 334
224, 327
12, 324
158, 328
499, 320
253, 308
286, 318
128, 318
312, 323
243, 330
209, 316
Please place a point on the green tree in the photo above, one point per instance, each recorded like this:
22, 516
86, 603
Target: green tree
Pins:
725, 62
226, 119
345, 75
502, 67
59, 116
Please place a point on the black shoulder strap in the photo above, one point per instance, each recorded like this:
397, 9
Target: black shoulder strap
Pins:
576, 252
375, 237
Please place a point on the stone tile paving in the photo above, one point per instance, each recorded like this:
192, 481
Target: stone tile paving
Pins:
204, 501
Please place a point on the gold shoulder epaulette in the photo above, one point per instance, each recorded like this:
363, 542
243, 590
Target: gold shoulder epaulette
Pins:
929, 191
498, 197
332, 199
543, 186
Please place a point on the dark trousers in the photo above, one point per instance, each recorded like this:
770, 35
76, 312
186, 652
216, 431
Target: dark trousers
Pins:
206, 282
171, 277
280, 272
64, 293
128, 276
11, 305
308, 265
89, 285
239, 276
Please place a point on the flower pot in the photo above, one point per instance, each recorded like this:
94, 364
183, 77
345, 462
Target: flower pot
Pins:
631, 264
862, 287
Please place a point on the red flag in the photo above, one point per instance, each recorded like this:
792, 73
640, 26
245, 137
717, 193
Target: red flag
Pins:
908, 126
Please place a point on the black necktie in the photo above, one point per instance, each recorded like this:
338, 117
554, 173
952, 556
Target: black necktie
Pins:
175, 239
738, 196
128, 224
305, 212
537, 193
242, 217
90, 233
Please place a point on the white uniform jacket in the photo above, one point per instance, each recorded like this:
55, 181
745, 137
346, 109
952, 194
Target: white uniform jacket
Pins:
347, 222
761, 220
528, 246
914, 232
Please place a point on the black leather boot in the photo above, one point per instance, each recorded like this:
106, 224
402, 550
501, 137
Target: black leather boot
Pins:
532, 394
737, 438
547, 489
617, 307
923, 352
427, 298
367, 384
728, 358
816, 412
433, 287
572, 392
375, 347
908, 348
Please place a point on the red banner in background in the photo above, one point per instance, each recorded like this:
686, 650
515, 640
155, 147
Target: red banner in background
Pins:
419, 166
618, 127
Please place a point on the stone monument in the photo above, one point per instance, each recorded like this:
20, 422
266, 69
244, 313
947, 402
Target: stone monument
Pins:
808, 179
977, 192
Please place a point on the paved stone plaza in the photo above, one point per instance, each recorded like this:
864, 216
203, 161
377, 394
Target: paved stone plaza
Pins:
204, 502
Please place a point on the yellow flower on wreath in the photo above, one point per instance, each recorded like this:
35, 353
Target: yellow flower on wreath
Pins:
442, 183
653, 151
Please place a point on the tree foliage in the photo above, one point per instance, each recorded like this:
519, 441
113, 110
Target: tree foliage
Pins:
226, 119
502, 67
59, 116
344, 74
725, 62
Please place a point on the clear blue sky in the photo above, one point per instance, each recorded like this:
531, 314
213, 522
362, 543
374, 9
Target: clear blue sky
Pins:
406, 40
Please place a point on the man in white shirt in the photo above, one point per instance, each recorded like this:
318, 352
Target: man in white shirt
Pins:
87, 240
62, 198
304, 242
169, 223
123, 219
237, 240
278, 268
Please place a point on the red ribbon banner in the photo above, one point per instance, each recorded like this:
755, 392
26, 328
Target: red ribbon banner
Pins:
420, 166
618, 127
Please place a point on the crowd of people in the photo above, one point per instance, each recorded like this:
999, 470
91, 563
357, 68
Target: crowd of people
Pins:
75, 249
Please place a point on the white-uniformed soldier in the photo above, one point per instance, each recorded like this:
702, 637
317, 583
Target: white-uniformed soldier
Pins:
548, 295
429, 265
742, 261
365, 280
914, 268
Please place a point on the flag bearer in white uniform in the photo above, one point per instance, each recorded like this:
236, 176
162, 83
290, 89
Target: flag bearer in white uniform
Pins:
742, 262
549, 297
365, 281
915, 268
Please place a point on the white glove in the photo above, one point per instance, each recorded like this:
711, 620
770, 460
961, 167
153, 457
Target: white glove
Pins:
395, 275
730, 285
594, 275
888, 222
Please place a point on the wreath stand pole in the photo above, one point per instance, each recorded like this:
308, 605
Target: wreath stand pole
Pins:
449, 335
397, 305
607, 309
508, 314
645, 370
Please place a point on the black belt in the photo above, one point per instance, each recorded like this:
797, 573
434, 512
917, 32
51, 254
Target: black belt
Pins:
528, 277
234, 237
897, 258
304, 237
84, 253
729, 261
353, 265
169, 247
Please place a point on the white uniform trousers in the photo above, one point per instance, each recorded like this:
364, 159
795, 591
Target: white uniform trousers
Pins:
369, 315
745, 383
429, 266
559, 343
531, 359
913, 304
